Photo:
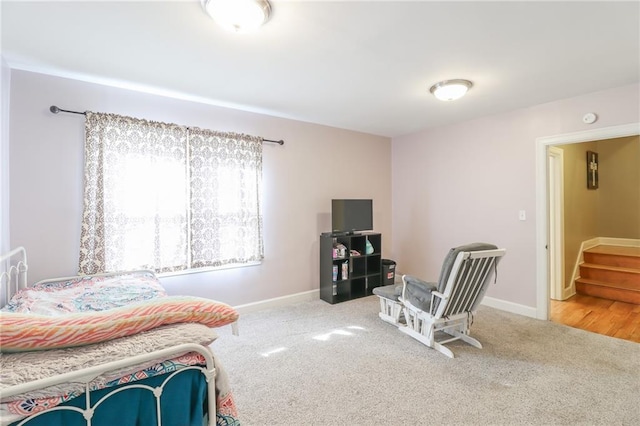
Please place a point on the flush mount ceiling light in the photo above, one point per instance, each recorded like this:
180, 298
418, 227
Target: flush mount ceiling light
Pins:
238, 15
450, 90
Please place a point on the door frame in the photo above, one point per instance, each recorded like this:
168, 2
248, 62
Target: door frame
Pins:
542, 199
555, 165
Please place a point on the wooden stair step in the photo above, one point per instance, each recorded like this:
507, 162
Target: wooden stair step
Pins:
614, 274
614, 256
606, 290
591, 281
611, 268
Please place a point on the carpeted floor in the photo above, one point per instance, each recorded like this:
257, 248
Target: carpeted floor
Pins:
320, 364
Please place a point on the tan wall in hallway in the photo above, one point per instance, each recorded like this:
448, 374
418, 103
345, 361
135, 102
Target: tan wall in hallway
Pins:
619, 193
580, 204
612, 210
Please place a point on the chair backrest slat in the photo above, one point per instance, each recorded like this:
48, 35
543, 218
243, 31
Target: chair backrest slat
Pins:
468, 282
463, 290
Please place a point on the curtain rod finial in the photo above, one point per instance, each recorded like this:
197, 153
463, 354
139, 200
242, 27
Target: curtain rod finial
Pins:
54, 109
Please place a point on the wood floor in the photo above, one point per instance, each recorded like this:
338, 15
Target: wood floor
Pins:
602, 316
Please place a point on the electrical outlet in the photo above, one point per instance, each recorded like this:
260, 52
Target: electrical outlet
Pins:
522, 215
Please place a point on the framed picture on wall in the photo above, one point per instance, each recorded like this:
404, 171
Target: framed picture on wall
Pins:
592, 170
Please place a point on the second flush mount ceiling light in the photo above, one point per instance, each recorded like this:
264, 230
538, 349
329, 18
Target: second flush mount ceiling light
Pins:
238, 15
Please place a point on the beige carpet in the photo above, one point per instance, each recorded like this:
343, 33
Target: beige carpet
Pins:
320, 364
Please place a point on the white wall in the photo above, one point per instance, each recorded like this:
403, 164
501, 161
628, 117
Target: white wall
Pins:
450, 185
316, 164
5, 82
466, 182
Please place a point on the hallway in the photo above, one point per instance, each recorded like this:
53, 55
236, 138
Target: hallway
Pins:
602, 316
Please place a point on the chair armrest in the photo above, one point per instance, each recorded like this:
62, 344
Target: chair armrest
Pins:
417, 292
438, 294
428, 286
435, 294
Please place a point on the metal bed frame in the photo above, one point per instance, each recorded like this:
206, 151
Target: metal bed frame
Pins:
13, 274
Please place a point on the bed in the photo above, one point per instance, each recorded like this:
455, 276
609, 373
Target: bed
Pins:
108, 349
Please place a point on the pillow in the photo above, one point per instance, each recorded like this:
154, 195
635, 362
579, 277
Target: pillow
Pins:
27, 332
86, 293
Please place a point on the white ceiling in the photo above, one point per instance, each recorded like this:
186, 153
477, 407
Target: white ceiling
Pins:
364, 66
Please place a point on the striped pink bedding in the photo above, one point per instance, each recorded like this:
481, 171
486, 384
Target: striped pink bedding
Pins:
28, 332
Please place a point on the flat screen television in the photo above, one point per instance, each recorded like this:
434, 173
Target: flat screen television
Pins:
351, 215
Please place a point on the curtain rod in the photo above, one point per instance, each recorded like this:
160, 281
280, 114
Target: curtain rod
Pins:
54, 109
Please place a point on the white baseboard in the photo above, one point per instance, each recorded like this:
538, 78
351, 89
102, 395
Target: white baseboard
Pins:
311, 295
626, 242
276, 302
514, 308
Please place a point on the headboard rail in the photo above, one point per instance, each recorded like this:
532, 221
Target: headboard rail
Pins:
13, 272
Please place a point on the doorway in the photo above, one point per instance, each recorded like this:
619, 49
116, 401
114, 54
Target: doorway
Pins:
543, 213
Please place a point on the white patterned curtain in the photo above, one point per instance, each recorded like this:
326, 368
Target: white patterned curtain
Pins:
164, 197
226, 222
135, 198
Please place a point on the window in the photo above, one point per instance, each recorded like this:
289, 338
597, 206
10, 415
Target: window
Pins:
167, 197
